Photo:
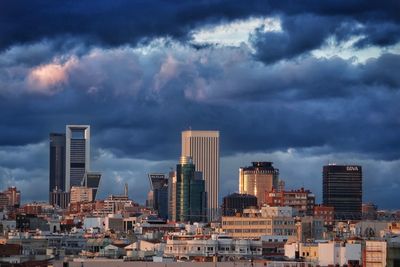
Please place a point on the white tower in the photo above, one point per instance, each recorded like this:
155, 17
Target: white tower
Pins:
203, 148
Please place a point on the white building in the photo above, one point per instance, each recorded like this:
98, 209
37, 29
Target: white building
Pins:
186, 247
203, 148
326, 253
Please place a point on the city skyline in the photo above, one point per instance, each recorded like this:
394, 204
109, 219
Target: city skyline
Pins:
300, 85
164, 171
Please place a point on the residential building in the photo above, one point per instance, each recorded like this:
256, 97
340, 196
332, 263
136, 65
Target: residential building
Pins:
81, 194
254, 223
375, 253
10, 198
325, 213
301, 200
219, 247
330, 253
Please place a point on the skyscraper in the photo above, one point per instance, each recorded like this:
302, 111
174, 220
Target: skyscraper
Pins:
190, 201
203, 148
77, 154
342, 189
159, 194
258, 179
57, 163
92, 180
172, 196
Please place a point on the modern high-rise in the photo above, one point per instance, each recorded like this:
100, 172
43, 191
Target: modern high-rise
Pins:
159, 194
92, 180
190, 201
77, 154
342, 190
172, 195
258, 179
203, 148
57, 163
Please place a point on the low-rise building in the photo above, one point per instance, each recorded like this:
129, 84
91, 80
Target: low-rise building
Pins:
254, 223
192, 247
326, 253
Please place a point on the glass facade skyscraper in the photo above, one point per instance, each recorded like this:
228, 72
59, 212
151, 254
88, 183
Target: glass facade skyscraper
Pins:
57, 163
190, 199
159, 194
342, 190
77, 154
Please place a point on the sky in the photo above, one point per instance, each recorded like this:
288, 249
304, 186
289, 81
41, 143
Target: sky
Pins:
298, 83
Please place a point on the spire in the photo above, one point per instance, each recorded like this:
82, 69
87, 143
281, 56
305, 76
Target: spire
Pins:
126, 189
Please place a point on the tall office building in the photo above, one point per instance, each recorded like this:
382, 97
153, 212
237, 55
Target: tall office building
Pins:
172, 195
190, 199
258, 179
91, 180
342, 190
57, 163
77, 154
203, 148
159, 194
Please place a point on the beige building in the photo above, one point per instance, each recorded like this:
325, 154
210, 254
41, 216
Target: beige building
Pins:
203, 148
81, 194
375, 253
255, 223
258, 179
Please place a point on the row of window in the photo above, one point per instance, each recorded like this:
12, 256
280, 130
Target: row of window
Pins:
258, 222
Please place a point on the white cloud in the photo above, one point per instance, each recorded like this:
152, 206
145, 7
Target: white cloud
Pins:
235, 33
346, 50
48, 78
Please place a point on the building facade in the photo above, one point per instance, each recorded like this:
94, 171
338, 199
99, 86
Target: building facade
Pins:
301, 200
342, 190
190, 196
203, 148
258, 179
81, 194
158, 195
57, 163
10, 198
77, 154
236, 203
254, 223
92, 180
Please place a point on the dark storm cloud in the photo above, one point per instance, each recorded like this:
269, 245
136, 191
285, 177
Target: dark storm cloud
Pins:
128, 22
299, 34
98, 63
145, 100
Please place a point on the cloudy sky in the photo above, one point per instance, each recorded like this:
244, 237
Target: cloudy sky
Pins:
298, 83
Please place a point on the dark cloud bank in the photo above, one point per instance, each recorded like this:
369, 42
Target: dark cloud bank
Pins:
98, 64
